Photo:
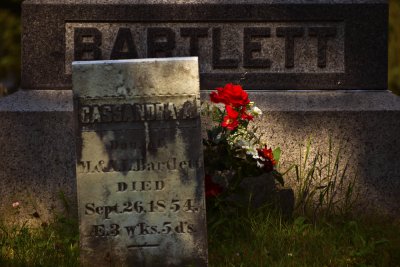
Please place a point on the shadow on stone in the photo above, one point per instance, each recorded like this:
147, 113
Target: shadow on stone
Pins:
261, 191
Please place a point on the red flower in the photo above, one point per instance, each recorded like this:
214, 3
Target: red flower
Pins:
266, 158
230, 120
230, 95
229, 123
216, 98
212, 189
244, 115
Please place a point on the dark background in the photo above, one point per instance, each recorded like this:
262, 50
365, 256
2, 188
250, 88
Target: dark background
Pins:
10, 46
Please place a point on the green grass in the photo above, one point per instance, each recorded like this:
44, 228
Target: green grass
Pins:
249, 238
263, 238
50, 245
324, 230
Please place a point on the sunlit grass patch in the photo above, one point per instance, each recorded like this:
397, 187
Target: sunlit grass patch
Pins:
55, 244
263, 238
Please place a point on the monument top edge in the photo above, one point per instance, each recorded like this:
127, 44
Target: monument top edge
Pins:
113, 2
140, 60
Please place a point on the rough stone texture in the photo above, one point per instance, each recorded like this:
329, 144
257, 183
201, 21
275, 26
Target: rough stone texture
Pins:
136, 78
369, 120
40, 101
356, 58
37, 155
140, 169
366, 123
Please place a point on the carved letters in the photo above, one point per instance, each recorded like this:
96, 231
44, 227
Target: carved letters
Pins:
140, 166
136, 165
135, 112
271, 47
161, 42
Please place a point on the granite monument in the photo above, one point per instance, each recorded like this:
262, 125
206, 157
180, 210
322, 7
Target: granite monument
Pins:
316, 68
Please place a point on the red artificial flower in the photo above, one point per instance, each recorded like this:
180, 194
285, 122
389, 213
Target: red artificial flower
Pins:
230, 120
244, 115
231, 112
216, 98
229, 123
230, 94
266, 158
212, 189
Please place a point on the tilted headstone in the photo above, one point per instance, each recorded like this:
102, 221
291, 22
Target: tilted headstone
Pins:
139, 168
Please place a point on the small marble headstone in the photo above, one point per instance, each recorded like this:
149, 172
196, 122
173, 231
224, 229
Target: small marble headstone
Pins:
140, 172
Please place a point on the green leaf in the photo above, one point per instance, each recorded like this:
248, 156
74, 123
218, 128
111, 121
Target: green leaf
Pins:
277, 154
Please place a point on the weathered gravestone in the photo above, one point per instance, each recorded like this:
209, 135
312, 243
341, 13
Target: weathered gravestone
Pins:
140, 166
316, 68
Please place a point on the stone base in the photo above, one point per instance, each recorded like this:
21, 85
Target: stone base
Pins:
262, 190
367, 121
37, 156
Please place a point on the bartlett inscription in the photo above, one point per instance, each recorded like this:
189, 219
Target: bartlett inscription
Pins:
260, 47
140, 165
279, 45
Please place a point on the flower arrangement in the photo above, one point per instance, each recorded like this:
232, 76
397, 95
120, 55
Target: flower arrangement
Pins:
232, 147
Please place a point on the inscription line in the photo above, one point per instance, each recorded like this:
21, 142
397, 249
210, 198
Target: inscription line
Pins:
132, 128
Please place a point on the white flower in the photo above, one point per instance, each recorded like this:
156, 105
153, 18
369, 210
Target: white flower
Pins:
15, 205
251, 150
256, 111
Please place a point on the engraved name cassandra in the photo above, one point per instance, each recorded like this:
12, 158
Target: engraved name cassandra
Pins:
266, 47
89, 114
